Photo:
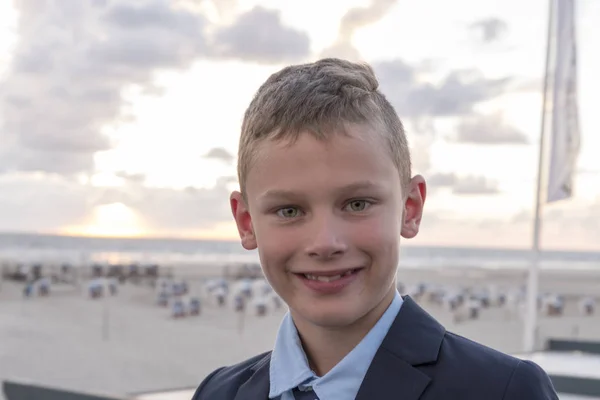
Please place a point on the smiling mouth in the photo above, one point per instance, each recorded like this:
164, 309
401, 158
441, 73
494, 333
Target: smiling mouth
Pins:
330, 278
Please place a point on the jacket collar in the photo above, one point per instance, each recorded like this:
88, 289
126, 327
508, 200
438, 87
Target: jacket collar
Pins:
414, 339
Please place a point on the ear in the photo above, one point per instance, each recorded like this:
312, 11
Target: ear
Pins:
241, 214
413, 207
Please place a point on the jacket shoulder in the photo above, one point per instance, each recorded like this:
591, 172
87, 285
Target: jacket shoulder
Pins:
530, 381
224, 382
492, 371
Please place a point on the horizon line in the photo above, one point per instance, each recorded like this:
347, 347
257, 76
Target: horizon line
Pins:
406, 243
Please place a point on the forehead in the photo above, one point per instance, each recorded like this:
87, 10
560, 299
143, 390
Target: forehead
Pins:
312, 165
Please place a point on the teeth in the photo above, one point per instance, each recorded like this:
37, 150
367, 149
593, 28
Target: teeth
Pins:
327, 278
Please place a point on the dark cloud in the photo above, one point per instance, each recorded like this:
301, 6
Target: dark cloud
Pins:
352, 21
489, 29
219, 153
480, 129
259, 35
468, 185
455, 95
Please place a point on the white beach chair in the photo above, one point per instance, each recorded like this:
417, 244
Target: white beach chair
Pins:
587, 306
178, 308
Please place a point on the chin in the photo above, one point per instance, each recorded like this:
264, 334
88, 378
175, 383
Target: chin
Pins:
330, 315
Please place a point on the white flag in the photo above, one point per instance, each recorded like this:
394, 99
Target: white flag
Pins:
565, 119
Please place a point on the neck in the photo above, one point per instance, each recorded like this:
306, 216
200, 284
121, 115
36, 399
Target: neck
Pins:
325, 347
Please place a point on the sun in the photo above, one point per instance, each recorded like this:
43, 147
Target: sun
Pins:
110, 220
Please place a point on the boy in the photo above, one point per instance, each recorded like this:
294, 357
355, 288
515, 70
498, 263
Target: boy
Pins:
326, 192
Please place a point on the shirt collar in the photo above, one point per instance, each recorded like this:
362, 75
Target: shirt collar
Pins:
289, 366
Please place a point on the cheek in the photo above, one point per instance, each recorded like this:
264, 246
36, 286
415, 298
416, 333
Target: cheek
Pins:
275, 249
377, 235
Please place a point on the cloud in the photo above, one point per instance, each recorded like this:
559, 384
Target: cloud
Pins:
490, 29
48, 203
475, 185
165, 209
418, 103
34, 203
259, 35
468, 185
133, 178
455, 95
440, 180
219, 153
352, 21
62, 92
70, 64
488, 129
567, 214
566, 224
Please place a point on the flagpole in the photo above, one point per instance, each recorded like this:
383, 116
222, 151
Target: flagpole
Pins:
533, 278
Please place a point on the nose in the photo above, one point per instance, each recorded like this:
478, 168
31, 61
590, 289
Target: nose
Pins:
326, 241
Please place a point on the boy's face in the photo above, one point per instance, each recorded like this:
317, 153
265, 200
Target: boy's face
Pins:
320, 209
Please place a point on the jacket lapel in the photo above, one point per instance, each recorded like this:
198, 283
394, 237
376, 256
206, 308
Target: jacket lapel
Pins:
257, 387
414, 339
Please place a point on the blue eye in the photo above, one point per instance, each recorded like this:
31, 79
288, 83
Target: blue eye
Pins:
288, 212
358, 205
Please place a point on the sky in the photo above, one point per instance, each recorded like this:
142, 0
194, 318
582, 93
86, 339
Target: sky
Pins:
121, 118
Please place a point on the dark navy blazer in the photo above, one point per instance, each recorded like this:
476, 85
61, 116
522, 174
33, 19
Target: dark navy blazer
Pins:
418, 360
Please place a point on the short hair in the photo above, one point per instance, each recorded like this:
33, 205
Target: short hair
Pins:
320, 97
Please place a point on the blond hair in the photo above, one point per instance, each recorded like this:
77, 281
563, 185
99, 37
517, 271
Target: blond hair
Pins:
320, 98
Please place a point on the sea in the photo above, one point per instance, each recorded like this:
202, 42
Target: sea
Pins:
54, 249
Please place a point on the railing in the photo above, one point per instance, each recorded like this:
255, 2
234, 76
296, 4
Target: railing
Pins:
25, 391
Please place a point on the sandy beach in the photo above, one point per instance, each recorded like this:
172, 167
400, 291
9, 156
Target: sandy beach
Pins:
127, 344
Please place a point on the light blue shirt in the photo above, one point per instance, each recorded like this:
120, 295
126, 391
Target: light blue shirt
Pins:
289, 366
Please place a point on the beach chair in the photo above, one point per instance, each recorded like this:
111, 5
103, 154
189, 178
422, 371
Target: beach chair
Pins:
220, 295
587, 306
97, 271
553, 305
452, 301
473, 308
239, 303
184, 287
28, 289
162, 299
195, 306
179, 288
163, 284
501, 299
178, 309
245, 287
96, 288
36, 271
151, 271
43, 287
260, 307
113, 287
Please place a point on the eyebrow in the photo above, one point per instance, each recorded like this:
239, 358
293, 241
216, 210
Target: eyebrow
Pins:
351, 188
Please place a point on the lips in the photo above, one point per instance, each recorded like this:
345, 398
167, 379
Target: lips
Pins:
328, 276
329, 282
